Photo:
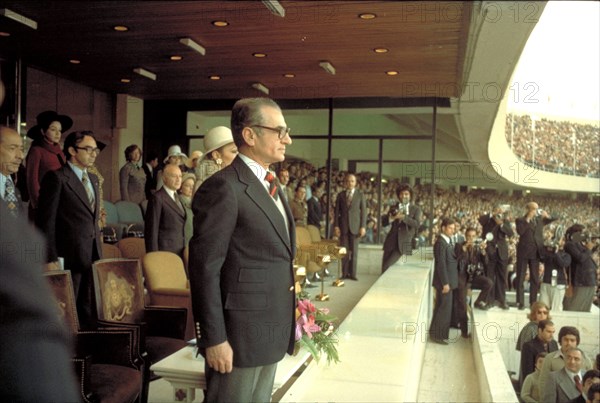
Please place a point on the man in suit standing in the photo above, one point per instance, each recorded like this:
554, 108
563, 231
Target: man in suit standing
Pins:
543, 343
164, 228
445, 280
350, 223
530, 250
150, 170
284, 180
241, 272
497, 225
565, 385
583, 270
11, 157
405, 222
68, 214
314, 206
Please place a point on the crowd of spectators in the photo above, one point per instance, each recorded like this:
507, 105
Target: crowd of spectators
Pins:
557, 146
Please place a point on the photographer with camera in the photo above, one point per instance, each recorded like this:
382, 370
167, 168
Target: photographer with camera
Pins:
472, 258
405, 218
496, 228
581, 246
556, 261
530, 250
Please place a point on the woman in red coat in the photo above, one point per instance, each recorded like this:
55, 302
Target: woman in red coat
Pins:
45, 153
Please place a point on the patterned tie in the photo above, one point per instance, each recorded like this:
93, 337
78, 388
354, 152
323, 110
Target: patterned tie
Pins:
269, 177
178, 202
90, 193
578, 383
349, 198
11, 198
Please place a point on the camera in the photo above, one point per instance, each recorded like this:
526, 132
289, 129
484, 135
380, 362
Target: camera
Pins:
584, 236
503, 215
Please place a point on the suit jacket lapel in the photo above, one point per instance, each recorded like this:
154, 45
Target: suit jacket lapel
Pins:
77, 186
258, 194
171, 203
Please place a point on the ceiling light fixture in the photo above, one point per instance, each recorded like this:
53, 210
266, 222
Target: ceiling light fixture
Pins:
259, 55
4, 34
220, 23
19, 18
328, 67
381, 50
367, 16
74, 61
391, 73
289, 75
145, 73
214, 77
125, 80
193, 45
275, 7
176, 58
121, 28
261, 88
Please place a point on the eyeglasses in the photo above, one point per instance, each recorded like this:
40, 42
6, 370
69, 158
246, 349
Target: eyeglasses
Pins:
89, 150
281, 131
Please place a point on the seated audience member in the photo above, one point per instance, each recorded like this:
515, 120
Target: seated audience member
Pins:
165, 218
564, 385
530, 392
552, 291
543, 343
298, 206
568, 337
132, 178
538, 311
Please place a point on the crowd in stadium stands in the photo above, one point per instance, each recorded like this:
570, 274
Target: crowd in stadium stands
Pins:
555, 146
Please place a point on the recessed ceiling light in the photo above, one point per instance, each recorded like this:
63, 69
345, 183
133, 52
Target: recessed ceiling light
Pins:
214, 77
220, 23
381, 50
289, 75
257, 54
367, 16
4, 34
125, 80
74, 61
176, 58
121, 28
391, 73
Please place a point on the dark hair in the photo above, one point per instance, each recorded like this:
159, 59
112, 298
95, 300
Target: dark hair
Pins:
569, 330
543, 323
447, 221
402, 187
543, 354
592, 373
470, 229
129, 151
595, 388
151, 156
300, 186
73, 139
247, 112
572, 230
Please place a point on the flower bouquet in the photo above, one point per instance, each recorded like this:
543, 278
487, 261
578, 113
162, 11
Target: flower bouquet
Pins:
314, 331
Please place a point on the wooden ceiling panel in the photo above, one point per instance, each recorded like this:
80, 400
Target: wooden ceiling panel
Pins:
424, 39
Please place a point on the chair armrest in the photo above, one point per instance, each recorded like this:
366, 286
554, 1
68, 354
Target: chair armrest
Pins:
180, 292
111, 346
82, 366
139, 334
166, 321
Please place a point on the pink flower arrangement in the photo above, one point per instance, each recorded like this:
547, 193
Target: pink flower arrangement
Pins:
314, 331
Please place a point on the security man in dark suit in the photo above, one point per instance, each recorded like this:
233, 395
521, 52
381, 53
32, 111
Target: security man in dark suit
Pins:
530, 250
241, 272
405, 222
350, 223
164, 228
497, 227
68, 214
445, 280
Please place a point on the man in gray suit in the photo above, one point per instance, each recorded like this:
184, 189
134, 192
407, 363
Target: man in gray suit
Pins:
566, 384
241, 272
349, 221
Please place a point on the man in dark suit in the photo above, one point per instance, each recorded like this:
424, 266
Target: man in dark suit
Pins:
530, 250
150, 170
350, 223
445, 280
241, 273
11, 157
34, 358
68, 215
582, 271
497, 225
565, 385
543, 343
405, 222
164, 227
314, 206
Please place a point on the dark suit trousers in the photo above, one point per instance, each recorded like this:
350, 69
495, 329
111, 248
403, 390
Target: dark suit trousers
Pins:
389, 258
442, 313
485, 285
241, 385
459, 304
534, 279
496, 272
350, 241
83, 288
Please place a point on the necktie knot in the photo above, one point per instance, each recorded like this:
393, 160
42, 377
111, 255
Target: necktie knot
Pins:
269, 177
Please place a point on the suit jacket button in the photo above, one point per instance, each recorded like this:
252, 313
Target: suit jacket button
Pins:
292, 288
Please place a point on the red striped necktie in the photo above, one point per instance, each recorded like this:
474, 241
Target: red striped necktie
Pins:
269, 177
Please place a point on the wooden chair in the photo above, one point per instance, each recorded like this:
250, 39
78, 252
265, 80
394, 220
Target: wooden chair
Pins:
106, 361
120, 303
132, 248
110, 251
168, 285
